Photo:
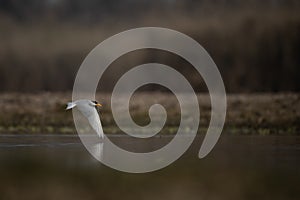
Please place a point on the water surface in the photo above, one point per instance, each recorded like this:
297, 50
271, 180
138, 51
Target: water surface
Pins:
239, 167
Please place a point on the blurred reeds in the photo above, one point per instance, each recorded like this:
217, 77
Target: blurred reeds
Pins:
256, 46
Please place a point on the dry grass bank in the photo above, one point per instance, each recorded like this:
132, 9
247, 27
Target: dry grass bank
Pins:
246, 113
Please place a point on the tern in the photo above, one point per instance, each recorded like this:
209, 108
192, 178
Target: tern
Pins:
88, 109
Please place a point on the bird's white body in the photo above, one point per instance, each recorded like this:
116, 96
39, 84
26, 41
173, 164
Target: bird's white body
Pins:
88, 109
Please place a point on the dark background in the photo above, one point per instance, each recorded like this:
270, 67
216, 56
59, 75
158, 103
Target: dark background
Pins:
255, 44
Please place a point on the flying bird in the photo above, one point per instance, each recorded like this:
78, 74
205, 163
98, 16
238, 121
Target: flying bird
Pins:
88, 109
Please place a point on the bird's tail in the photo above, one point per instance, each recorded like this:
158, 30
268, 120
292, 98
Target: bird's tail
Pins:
70, 105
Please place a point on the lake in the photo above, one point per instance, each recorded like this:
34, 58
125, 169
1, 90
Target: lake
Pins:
239, 167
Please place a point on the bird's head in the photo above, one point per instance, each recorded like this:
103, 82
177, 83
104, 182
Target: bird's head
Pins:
96, 104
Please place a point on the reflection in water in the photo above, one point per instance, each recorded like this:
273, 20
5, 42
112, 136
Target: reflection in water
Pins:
59, 167
97, 150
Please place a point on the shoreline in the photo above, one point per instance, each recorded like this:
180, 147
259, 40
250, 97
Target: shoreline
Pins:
247, 114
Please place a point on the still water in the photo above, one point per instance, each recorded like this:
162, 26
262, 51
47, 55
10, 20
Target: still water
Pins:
239, 167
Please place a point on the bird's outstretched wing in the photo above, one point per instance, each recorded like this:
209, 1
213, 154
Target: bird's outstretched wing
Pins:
95, 123
90, 112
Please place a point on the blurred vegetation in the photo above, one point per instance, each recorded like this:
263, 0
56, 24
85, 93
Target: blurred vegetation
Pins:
262, 114
254, 43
